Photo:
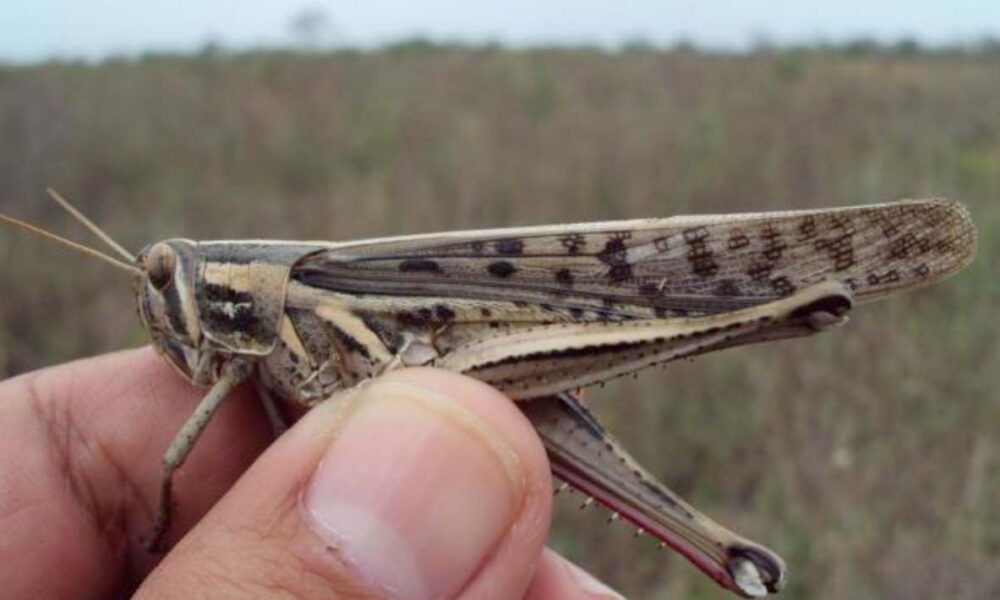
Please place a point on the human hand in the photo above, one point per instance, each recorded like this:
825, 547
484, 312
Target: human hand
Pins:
424, 484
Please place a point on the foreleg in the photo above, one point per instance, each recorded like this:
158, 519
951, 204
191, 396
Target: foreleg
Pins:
233, 373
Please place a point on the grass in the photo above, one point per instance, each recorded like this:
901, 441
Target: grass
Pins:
869, 457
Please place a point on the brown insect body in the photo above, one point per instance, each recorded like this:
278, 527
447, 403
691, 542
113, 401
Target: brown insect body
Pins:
538, 312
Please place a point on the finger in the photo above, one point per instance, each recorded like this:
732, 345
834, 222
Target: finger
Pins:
422, 485
80, 451
559, 579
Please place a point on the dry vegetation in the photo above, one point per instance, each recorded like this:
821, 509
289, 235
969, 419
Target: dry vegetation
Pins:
869, 457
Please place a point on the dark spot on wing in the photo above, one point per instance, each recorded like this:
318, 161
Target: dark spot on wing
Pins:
620, 273
444, 313
573, 242
419, 265
774, 244
782, 286
501, 269
565, 277
727, 288
760, 271
900, 247
614, 251
807, 228
699, 254
945, 247
511, 246
840, 247
738, 240
890, 276
843, 223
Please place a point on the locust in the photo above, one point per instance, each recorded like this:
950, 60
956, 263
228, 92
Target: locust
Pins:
538, 313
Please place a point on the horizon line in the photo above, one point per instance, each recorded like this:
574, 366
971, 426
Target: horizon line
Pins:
985, 43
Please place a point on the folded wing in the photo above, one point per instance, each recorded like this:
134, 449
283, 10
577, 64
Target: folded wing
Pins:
687, 265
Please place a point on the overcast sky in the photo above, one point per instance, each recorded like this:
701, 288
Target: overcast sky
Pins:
36, 29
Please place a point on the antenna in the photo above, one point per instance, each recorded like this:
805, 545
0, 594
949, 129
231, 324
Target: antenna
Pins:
90, 225
134, 270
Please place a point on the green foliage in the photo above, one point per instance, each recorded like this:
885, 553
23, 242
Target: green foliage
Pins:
869, 457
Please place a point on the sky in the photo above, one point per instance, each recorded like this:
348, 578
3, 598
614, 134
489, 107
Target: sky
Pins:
32, 30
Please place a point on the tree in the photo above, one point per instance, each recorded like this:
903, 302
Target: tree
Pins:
311, 27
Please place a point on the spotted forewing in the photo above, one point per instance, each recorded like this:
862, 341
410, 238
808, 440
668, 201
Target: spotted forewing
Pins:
680, 266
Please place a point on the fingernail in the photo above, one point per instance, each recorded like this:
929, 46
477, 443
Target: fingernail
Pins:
414, 491
589, 584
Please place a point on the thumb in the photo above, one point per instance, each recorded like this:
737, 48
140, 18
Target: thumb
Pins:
422, 485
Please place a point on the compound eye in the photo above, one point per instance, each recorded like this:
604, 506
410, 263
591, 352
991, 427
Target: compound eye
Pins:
160, 265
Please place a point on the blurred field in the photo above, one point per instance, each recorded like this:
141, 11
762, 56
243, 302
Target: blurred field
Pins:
868, 457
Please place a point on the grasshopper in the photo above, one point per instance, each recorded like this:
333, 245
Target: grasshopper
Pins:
537, 312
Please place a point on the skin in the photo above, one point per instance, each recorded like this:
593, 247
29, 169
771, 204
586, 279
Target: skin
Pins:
80, 449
